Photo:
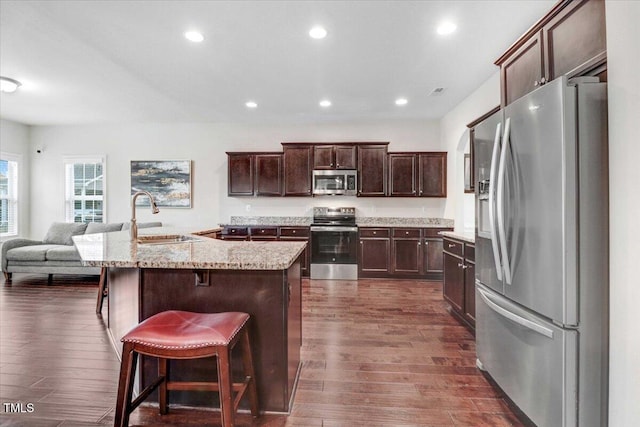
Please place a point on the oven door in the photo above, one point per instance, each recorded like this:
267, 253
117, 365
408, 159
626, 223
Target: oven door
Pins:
334, 245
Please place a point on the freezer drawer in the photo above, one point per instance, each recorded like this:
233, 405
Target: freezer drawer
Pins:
532, 360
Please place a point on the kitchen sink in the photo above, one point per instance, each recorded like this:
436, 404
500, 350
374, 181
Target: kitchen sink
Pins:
171, 238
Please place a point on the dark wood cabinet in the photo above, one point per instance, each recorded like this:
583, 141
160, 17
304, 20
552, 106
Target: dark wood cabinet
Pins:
374, 253
234, 233
432, 253
400, 252
263, 233
270, 233
453, 284
406, 252
458, 286
421, 174
298, 164
254, 174
240, 168
268, 176
403, 170
337, 156
432, 174
570, 40
298, 234
372, 169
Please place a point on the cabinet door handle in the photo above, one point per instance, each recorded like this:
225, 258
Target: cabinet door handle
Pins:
406, 232
452, 245
543, 81
418, 243
375, 232
536, 83
460, 265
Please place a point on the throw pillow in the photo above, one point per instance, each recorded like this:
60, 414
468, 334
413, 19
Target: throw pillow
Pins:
98, 227
60, 233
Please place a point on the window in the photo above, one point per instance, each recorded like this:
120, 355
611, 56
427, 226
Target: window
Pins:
85, 189
8, 195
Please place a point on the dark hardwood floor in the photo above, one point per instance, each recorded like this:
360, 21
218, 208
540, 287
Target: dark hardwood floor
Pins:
375, 352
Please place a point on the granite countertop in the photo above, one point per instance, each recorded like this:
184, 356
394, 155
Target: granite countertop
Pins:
465, 236
361, 221
116, 250
291, 221
404, 222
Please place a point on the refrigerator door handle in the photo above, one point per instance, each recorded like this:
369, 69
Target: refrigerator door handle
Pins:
542, 330
500, 201
492, 201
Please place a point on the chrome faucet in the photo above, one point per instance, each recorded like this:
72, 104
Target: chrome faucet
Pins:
154, 210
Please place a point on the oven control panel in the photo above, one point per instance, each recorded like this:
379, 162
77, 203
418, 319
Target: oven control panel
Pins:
325, 212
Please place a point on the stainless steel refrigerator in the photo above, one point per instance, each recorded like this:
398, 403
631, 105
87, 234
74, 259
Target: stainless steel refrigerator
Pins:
542, 252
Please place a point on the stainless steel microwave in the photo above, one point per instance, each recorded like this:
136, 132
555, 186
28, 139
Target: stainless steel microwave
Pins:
335, 182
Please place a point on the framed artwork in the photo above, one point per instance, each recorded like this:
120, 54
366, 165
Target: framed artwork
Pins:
168, 181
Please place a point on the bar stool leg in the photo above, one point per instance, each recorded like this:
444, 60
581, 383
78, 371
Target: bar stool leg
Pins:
225, 386
125, 385
163, 371
247, 361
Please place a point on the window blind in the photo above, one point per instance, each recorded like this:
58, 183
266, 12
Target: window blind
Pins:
8, 197
84, 190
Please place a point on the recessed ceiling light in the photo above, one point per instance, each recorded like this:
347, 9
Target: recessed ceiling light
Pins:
318, 33
446, 28
325, 103
9, 85
401, 101
194, 36
251, 104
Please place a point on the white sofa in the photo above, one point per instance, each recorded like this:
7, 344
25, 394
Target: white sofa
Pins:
55, 253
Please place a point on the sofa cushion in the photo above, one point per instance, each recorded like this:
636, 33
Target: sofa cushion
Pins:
141, 225
30, 253
63, 253
60, 232
97, 227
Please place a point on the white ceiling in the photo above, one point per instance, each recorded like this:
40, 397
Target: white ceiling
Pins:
86, 62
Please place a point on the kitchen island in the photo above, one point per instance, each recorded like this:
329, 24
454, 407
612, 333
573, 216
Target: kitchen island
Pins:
181, 270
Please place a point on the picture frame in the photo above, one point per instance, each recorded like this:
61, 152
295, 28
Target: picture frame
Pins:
168, 181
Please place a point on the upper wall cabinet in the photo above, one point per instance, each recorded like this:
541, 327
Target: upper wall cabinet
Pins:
254, 174
432, 174
569, 40
418, 174
240, 174
298, 163
334, 156
372, 169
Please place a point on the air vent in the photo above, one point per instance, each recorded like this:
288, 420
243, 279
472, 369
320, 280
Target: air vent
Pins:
437, 91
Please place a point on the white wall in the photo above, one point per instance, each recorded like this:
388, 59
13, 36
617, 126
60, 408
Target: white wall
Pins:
14, 139
206, 145
455, 137
623, 65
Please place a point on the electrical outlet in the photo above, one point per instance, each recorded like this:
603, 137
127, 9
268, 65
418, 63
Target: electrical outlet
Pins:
247, 208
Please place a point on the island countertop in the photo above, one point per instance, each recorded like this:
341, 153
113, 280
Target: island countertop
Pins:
115, 249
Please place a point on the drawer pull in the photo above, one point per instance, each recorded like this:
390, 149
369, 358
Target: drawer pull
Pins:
452, 245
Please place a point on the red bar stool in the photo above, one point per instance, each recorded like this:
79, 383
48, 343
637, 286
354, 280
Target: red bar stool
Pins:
186, 335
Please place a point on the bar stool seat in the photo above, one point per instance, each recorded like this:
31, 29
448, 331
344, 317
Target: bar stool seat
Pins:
186, 335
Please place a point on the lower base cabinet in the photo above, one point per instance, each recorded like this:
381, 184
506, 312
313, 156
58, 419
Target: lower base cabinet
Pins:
458, 286
400, 253
271, 233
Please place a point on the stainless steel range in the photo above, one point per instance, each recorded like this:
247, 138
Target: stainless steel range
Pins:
334, 244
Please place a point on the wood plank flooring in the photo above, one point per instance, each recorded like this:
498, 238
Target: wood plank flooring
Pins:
375, 353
